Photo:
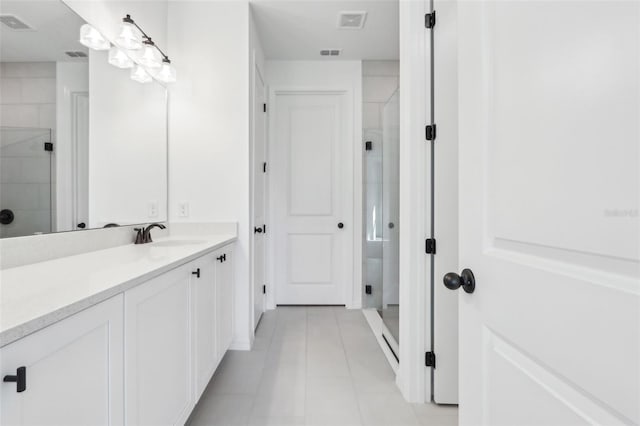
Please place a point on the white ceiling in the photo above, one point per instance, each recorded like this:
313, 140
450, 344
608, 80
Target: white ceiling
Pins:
299, 29
56, 30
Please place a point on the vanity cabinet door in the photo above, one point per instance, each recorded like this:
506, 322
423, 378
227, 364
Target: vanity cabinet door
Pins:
203, 284
74, 371
158, 375
224, 299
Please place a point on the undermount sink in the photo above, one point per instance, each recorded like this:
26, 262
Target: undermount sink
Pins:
176, 243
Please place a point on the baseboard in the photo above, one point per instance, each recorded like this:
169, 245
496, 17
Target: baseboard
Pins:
378, 328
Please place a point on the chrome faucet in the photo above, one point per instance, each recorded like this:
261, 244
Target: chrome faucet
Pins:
143, 235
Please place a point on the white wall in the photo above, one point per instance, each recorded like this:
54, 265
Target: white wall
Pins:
331, 75
209, 128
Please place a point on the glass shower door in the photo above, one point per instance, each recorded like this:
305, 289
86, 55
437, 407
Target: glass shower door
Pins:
390, 215
26, 206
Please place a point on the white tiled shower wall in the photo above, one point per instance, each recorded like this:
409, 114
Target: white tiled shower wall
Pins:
27, 100
380, 79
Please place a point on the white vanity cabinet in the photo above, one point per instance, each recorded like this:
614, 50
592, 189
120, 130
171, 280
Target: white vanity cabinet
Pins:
74, 371
212, 290
142, 357
177, 328
157, 355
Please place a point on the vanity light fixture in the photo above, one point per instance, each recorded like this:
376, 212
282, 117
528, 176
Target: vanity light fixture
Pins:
167, 73
118, 58
150, 56
139, 74
130, 36
93, 39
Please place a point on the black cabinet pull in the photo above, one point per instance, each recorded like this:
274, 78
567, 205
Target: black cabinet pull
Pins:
20, 379
196, 273
222, 258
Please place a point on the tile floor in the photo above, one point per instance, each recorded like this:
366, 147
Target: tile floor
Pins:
311, 366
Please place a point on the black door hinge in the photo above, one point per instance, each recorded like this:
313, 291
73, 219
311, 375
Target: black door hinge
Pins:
48, 146
368, 146
264, 107
430, 132
264, 229
368, 289
430, 246
430, 19
430, 359
264, 289
264, 167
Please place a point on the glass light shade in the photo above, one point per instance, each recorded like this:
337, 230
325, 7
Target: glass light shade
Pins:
92, 38
119, 59
139, 74
130, 37
150, 57
166, 74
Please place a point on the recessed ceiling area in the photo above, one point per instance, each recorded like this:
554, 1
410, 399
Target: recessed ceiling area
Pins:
300, 29
53, 31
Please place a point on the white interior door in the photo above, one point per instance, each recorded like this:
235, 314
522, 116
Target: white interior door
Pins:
80, 158
313, 206
259, 192
549, 188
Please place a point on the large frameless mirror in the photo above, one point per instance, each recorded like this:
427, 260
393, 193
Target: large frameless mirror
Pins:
82, 145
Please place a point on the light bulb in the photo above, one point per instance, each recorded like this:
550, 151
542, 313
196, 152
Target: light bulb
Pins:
139, 74
130, 37
119, 59
167, 73
92, 38
150, 57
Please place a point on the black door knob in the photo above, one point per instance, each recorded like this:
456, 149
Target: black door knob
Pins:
257, 230
340, 225
82, 225
466, 280
6, 216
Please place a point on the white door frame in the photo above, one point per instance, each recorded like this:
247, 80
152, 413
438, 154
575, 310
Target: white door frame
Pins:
413, 378
255, 72
353, 292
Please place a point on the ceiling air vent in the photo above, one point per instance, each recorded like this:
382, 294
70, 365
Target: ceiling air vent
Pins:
14, 23
330, 52
351, 20
76, 54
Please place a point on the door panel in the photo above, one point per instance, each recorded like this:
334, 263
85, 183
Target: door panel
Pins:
259, 197
311, 176
549, 165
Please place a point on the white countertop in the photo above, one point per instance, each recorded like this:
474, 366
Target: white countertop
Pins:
40, 294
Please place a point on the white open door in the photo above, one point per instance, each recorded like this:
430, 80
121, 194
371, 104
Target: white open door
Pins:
549, 171
312, 197
259, 195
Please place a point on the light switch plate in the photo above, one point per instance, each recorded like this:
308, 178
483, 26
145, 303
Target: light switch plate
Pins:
152, 208
183, 209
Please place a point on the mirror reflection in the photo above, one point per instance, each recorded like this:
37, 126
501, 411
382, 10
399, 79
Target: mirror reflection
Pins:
82, 145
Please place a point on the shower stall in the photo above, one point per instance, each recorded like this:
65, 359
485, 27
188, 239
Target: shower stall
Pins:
26, 181
381, 269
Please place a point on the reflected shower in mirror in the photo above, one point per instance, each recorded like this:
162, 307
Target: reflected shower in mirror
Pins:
82, 145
